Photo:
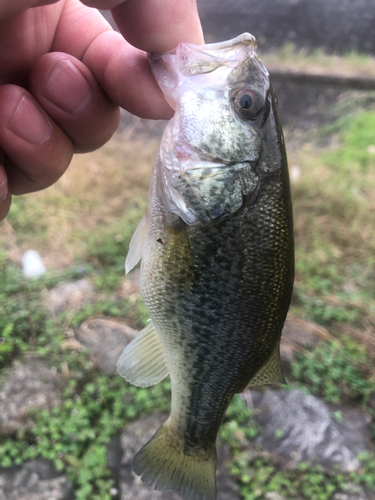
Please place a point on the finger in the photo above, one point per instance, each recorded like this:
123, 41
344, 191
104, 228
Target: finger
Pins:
124, 73
102, 4
3, 178
78, 26
159, 25
69, 93
121, 69
5, 196
5, 206
46, 2
10, 8
37, 151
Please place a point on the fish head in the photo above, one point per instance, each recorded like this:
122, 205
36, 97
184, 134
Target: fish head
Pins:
217, 146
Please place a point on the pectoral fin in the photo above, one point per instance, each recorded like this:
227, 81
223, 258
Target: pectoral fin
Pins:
136, 245
271, 372
143, 361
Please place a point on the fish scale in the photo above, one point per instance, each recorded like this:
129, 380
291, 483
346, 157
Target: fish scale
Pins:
216, 275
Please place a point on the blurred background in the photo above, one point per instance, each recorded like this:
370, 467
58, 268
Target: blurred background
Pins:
69, 426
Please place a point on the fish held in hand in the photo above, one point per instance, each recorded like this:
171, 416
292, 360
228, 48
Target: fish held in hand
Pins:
217, 255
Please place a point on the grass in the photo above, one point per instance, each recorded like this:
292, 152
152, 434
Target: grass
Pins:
88, 218
290, 58
335, 241
92, 203
94, 406
74, 434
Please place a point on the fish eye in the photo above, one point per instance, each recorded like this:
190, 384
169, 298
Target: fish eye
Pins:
247, 103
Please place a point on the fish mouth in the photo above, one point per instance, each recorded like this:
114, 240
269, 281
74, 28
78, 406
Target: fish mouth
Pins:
192, 59
188, 60
243, 39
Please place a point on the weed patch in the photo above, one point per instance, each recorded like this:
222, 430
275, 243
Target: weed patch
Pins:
338, 371
74, 434
335, 242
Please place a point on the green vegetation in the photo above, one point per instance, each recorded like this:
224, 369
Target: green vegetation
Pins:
264, 474
94, 406
259, 474
74, 434
88, 229
335, 240
106, 248
338, 371
289, 57
24, 323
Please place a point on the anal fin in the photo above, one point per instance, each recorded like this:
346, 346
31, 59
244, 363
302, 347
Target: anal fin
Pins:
271, 372
143, 361
136, 245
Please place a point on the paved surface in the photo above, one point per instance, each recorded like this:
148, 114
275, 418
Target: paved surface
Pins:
336, 25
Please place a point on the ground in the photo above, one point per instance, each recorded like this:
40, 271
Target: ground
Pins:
82, 227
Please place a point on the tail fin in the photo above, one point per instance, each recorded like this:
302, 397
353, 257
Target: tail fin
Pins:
162, 462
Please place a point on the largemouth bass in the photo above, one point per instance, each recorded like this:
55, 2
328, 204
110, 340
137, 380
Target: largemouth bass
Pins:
217, 255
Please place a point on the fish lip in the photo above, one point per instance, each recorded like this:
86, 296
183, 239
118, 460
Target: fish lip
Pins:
243, 39
188, 59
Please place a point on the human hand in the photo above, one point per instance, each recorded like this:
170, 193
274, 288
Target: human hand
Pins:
64, 72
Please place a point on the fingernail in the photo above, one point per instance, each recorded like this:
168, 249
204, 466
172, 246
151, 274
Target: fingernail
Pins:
29, 123
67, 88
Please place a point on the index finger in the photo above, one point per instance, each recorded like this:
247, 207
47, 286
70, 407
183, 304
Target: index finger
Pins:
10, 8
159, 25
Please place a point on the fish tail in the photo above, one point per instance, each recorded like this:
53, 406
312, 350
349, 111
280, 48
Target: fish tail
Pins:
164, 463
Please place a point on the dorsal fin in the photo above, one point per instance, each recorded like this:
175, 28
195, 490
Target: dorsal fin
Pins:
271, 372
137, 244
143, 361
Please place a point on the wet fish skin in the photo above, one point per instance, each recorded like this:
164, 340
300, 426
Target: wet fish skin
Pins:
216, 274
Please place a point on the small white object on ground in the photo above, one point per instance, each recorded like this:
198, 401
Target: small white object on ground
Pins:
295, 173
32, 264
